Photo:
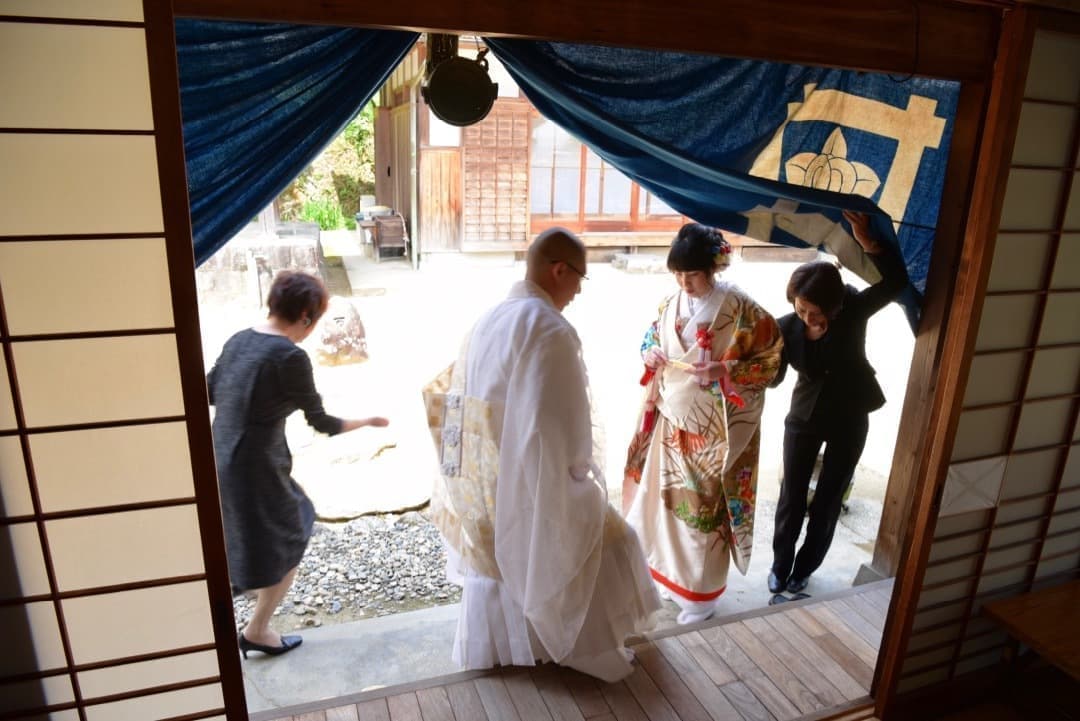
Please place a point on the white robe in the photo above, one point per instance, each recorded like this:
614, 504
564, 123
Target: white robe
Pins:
548, 567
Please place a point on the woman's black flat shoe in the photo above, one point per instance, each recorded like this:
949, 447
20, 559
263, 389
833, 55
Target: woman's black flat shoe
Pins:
288, 643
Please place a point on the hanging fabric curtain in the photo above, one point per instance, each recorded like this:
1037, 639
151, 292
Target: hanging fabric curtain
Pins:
259, 102
766, 150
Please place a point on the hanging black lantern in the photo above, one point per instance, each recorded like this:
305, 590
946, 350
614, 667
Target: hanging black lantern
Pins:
458, 90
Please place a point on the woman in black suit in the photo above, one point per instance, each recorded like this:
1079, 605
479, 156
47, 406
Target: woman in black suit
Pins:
825, 342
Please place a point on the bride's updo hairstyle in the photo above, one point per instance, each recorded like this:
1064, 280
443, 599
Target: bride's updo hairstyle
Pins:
699, 247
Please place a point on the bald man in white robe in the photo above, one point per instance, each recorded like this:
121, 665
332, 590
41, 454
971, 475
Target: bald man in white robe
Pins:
548, 568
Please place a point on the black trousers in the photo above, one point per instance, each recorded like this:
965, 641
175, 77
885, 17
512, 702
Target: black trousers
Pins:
843, 440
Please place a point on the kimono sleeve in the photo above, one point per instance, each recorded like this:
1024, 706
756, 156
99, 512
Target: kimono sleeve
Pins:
756, 346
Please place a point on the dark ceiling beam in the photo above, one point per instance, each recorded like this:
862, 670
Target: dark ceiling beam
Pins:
946, 38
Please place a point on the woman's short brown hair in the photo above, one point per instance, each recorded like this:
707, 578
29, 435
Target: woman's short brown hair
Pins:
818, 283
295, 294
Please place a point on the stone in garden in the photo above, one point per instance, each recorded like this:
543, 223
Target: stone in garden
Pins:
341, 334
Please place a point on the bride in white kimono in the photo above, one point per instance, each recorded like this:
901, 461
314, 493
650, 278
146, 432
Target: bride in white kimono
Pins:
691, 473
549, 569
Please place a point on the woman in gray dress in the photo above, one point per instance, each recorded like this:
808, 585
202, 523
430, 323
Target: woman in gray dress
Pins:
260, 378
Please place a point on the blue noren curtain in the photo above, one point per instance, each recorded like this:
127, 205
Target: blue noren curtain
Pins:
769, 150
259, 102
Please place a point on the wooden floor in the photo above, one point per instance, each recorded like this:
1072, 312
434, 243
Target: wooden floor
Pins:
791, 661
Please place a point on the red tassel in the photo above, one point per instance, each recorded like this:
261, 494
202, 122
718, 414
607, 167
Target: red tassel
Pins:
647, 375
648, 420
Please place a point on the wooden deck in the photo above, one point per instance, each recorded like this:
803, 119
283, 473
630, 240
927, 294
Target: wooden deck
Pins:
807, 660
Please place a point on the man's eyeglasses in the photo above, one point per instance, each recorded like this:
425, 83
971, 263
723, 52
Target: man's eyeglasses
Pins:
571, 266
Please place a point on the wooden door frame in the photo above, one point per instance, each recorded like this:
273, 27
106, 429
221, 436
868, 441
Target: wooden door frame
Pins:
952, 39
993, 149
176, 217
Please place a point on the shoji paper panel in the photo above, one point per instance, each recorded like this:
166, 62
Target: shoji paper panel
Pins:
146, 674
1066, 517
960, 525
1057, 566
1019, 262
112, 466
982, 433
920, 641
1006, 558
1043, 423
982, 660
30, 694
925, 659
942, 614
33, 580
90, 190
1067, 267
96, 77
1031, 199
115, 548
909, 683
943, 572
1028, 473
1071, 479
174, 703
1068, 542
7, 404
1061, 323
14, 489
1010, 580
962, 545
69, 715
116, 625
1051, 54
1019, 533
48, 651
1021, 511
1054, 371
945, 594
994, 378
1006, 322
103, 379
1043, 135
123, 10
1072, 210
94, 285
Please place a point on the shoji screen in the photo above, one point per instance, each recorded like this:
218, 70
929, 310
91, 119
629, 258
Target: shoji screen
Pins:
1010, 510
106, 481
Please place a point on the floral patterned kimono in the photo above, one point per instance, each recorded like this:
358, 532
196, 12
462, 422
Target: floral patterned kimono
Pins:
695, 455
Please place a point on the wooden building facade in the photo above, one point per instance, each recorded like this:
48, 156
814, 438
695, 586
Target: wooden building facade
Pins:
116, 602
494, 185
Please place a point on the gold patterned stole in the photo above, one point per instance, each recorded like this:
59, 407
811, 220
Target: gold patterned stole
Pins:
463, 499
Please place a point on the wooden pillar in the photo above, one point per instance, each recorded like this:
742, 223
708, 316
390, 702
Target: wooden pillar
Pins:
972, 270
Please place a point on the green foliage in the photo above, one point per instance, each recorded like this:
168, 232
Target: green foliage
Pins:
328, 191
324, 212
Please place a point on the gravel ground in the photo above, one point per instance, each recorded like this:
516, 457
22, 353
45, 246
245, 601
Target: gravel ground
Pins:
370, 566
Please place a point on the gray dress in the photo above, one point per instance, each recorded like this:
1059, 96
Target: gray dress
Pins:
258, 381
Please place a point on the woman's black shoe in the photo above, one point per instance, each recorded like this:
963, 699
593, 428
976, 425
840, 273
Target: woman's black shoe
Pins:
288, 643
795, 585
775, 584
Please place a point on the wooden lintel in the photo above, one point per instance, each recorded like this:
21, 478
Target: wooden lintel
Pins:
945, 38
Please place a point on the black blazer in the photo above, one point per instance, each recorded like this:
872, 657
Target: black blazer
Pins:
837, 360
